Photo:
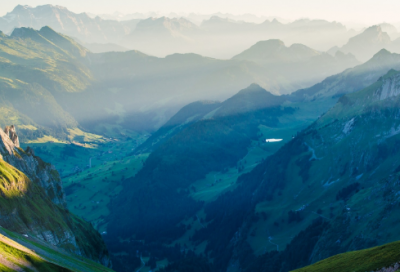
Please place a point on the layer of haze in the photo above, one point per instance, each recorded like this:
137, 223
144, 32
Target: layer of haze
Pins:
361, 11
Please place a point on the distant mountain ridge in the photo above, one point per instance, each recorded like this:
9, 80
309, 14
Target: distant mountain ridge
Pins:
369, 42
275, 50
215, 37
62, 20
298, 62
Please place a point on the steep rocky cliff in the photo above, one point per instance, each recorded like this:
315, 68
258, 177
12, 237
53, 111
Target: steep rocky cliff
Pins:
38, 171
32, 202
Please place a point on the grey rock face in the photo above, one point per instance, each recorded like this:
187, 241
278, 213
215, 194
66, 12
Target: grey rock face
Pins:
12, 134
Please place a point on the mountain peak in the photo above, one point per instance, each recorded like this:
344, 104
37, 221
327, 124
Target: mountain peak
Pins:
217, 19
19, 8
24, 32
383, 52
63, 42
367, 43
274, 50
374, 28
373, 33
252, 98
261, 50
253, 88
381, 57
272, 44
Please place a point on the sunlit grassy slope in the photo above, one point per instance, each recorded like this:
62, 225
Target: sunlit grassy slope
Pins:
19, 252
26, 209
34, 67
28, 200
371, 259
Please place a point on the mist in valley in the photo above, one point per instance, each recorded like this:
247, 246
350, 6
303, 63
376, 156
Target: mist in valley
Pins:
200, 137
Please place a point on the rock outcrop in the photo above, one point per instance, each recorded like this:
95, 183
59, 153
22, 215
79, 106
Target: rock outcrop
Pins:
390, 88
12, 134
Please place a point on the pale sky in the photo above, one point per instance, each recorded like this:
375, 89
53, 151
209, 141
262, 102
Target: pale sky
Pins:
361, 11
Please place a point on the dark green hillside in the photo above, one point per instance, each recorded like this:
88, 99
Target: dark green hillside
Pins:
187, 115
341, 170
333, 187
162, 190
202, 161
250, 99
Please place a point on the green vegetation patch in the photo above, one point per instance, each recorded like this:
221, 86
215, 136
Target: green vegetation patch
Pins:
359, 261
26, 261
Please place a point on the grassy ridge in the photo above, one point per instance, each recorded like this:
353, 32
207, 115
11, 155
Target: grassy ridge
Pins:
370, 259
30, 253
26, 261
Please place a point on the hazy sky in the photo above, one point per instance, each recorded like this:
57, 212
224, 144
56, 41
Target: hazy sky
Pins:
363, 11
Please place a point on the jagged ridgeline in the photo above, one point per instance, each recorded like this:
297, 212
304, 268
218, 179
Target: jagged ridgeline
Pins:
32, 203
49, 83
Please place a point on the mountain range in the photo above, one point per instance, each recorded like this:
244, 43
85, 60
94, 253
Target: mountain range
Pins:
79, 26
274, 159
196, 18
78, 88
212, 180
215, 37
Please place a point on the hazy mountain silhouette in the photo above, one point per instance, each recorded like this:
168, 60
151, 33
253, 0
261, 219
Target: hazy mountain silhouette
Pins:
215, 36
81, 26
